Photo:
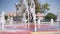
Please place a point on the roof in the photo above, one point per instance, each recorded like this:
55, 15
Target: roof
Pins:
40, 14
11, 14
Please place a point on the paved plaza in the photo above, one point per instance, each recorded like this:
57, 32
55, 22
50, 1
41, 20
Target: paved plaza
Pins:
20, 29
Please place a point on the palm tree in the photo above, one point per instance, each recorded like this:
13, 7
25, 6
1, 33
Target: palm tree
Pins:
41, 8
37, 6
44, 7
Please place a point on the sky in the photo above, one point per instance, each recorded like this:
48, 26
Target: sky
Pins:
9, 5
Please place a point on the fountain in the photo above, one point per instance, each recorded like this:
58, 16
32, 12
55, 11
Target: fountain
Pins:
39, 23
24, 19
52, 21
32, 10
29, 9
11, 20
58, 18
3, 19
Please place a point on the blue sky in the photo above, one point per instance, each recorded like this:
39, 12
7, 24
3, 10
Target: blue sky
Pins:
9, 5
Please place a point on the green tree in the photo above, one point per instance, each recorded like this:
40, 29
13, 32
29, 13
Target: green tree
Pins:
50, 15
